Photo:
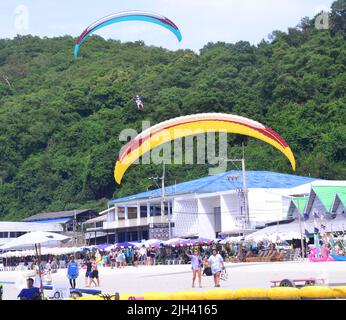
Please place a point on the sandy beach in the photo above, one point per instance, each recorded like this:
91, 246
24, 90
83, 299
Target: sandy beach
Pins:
178, 277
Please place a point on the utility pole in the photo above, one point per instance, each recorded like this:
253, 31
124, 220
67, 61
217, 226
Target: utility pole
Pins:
162, 178
244, 189
301, 232
74, 227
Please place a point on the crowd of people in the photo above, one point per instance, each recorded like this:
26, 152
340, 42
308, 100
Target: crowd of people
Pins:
206, 260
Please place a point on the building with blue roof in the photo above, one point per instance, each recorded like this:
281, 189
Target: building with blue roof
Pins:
206, 207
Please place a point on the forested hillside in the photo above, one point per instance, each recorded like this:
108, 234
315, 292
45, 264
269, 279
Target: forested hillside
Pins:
61, 118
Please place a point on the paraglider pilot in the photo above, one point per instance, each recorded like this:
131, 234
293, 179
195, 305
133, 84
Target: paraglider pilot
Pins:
139, 103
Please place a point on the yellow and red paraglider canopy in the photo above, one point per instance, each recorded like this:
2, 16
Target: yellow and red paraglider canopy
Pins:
195, 124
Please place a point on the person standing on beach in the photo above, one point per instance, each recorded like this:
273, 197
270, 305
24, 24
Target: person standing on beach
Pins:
95, 274
112, 257
196, 266
88, 272
216, 264
72, 272
135, 258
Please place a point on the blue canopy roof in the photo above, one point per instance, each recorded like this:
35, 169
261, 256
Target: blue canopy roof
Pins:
60, 220
220, 182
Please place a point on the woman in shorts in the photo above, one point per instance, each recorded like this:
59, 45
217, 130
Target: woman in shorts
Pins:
95, 274
135, 258
216, 264
196, 266
122, 259
88, 272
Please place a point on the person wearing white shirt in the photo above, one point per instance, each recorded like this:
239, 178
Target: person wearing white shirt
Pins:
216, 264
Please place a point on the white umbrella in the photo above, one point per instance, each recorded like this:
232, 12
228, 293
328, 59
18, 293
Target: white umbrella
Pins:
28, 240
151, 242
112, 246
36, 240
172, 241
232, 239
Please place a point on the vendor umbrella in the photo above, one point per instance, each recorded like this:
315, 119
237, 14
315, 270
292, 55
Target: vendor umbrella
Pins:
36, 240
103, 246
29, 240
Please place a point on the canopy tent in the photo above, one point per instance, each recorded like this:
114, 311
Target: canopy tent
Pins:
275, 233
28, 240
103, 246
326, 195
340, 200
291, 230
173, 242
44, 251
296, 206
232, 239
36, 240
120, 245
152, 242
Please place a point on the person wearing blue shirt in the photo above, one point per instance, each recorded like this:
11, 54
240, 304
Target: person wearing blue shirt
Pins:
72, 272
31, 292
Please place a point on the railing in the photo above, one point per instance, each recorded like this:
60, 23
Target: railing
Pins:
134, 222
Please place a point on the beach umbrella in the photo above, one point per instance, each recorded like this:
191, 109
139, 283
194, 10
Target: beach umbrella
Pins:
103, 246
152, 242
29, 240
124, 244
173, 242
36, 240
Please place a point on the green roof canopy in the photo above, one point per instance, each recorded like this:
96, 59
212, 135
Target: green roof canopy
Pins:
326, 194
300, 203
342, 197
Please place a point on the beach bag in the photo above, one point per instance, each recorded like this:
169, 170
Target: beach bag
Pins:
207, 271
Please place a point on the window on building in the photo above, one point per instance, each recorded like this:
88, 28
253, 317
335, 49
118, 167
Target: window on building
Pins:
121, 237
132, 213
156, 211
13, 234
143, 211
133, 236
3, 234
121, 213
144, 234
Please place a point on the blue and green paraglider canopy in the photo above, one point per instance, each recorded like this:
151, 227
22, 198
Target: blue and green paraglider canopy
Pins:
127, 16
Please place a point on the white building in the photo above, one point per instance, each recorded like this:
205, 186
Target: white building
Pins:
10, 230
206, 207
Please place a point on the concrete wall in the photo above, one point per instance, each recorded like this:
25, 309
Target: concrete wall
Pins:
207, 217
230, 212
266, 205
185, 217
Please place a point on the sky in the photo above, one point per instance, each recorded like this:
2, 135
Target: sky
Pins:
200, 21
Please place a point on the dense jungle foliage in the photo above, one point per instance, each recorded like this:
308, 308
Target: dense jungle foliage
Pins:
61, 118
